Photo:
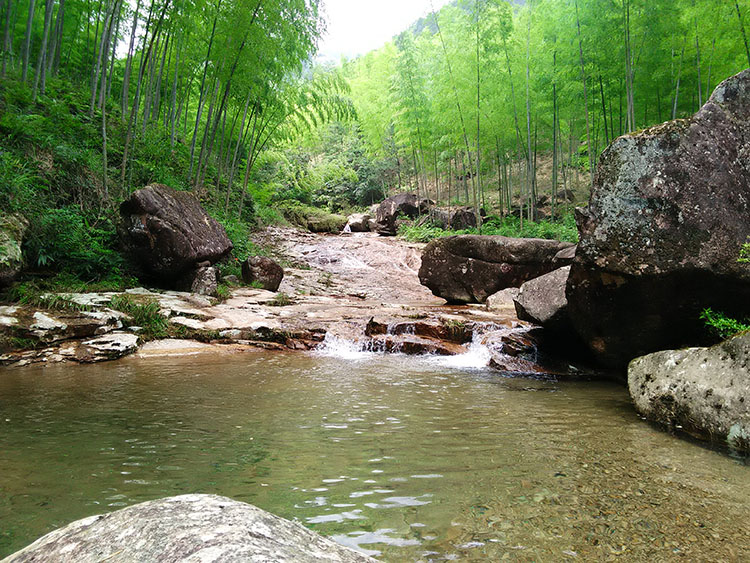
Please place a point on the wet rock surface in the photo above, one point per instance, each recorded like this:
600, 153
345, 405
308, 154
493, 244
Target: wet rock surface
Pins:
168, 233
470, 268
358, 288
702, 391
669, 212
187, 528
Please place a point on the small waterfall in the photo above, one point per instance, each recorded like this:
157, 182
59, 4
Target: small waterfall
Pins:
336, 347
477, 356
504, 348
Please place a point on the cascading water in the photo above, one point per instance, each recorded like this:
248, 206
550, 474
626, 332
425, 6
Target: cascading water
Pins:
491, 344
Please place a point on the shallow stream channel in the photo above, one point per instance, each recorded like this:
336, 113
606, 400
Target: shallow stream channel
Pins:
404, 458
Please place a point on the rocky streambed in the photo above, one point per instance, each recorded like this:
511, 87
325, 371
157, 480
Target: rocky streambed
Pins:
359, 288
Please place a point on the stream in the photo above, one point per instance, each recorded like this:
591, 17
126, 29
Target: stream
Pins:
404, 458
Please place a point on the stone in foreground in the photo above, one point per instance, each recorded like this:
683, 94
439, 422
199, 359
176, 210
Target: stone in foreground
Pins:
659, 242
168, 233
703, 391
189, 528
470, 268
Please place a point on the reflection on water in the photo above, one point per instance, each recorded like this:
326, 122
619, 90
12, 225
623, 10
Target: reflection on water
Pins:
401, 458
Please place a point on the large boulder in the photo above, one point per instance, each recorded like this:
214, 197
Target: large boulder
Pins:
189, 528
359, 223
470, 268
669, 212
12, 231
262, 271
168, 233
542, 301
702, 391
408, 205
457, 219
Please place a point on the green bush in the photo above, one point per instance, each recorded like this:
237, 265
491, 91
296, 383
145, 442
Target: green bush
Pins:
563, 230
723, 326
65, 239
146, 315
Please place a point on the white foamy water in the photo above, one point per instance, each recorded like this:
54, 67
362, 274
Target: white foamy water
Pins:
476, 357
335, 347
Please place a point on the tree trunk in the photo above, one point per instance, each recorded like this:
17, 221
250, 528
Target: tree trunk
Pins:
113, 40
628, 69
6, 38
41, 67
99, 59
129, 133
27, 42
455, 94
236, 152
554, 129
531, 172
604, 109
129, 61
679, 76
585, 98
742, 29
201, 98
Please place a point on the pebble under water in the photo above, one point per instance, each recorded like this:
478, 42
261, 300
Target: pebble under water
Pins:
407, 459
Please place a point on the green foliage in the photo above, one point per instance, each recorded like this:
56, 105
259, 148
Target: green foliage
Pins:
145, 314
281, 299
745, 254
65, 239
564, 230
223, 292
35, 291
312, 218
723, 326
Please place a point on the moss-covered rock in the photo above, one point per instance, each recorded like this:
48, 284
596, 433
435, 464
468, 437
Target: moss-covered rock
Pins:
660, 239
12, 231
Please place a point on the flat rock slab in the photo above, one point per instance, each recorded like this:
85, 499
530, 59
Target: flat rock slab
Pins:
188, 528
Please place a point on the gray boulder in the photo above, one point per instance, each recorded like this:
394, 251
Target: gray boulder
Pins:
167, 233
407, 205
470, 268
263, 271
456, 219
359, 223
12, 231
503, 300
702, 391
188, 528
542, 301
659, 241
205, 281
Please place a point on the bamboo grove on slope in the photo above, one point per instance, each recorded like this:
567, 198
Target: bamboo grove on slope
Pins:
485, 86
224, 77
